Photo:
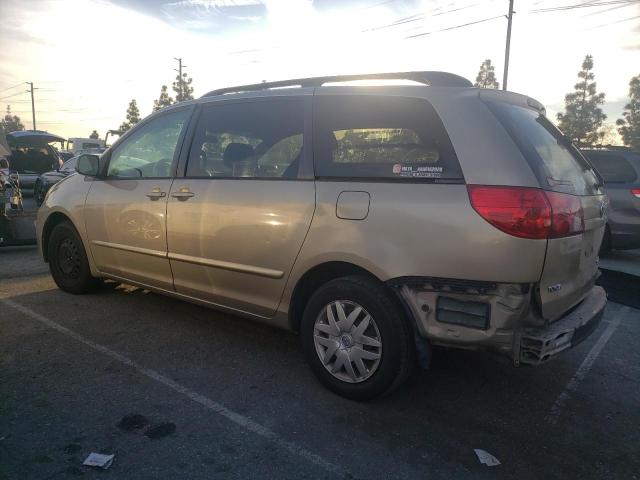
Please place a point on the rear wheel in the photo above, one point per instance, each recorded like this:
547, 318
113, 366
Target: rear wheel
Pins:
68, 261
356, 339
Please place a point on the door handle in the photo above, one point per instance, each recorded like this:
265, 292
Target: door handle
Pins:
156, 193
183, 193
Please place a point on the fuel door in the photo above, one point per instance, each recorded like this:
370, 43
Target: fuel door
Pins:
353, 205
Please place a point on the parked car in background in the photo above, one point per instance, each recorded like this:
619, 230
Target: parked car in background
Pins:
620, 170
64, 155
32, 155
48, 179
419, 215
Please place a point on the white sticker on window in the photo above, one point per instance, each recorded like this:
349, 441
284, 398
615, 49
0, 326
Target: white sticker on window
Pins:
417, 171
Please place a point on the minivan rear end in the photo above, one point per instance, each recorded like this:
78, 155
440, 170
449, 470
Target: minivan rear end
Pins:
486, 222
527, 181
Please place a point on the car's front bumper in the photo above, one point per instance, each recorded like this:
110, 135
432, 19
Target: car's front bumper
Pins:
537, 345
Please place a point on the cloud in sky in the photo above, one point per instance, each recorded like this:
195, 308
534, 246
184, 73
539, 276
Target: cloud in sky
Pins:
90, 57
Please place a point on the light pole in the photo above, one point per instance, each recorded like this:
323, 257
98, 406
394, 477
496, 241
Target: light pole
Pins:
507, 46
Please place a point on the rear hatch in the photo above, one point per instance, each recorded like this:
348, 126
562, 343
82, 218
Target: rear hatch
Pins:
578, 206
31, 154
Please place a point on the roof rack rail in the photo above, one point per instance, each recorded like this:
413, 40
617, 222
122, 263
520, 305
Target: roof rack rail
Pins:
434, 79
601, 146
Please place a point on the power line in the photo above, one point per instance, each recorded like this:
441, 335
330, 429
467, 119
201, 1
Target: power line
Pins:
9, 88
582, 5
613, 23
454, 27
590, 14
419, 16
9, 96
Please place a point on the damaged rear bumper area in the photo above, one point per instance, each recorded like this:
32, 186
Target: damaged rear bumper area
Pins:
498, 317
537, 345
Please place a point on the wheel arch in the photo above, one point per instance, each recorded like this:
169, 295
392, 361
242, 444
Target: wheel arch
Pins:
55, 218
315, 277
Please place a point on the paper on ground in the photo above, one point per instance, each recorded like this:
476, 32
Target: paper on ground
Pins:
486, 458
98, 460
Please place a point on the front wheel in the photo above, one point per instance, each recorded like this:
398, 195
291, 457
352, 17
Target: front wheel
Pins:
68, 261
356, 338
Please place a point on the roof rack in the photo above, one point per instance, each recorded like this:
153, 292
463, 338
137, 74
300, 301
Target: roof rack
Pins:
600, 146
434, 79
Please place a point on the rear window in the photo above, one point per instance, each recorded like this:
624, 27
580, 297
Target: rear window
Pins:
373, 137
557, 164
613, 168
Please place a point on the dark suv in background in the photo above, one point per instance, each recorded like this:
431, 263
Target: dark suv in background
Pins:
620, 169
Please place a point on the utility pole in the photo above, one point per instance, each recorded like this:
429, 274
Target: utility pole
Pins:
33, 108
508, 46
179, 70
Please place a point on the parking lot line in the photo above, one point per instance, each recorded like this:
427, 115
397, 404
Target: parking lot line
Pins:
584, 368
212, 405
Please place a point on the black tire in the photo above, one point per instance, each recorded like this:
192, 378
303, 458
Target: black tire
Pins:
397, 352
68, 262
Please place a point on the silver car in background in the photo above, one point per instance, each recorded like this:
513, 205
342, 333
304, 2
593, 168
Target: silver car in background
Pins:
620, 170
375, 221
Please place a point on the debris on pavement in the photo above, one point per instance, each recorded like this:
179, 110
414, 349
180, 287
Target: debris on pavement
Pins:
98, 460
486, 458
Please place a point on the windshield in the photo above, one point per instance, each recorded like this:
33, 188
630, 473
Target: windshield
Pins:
69, 165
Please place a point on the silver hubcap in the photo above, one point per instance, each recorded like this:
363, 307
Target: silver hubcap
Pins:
347, 341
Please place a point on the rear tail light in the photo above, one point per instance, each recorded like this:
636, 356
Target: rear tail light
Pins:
528, 212
567, 217
635, 192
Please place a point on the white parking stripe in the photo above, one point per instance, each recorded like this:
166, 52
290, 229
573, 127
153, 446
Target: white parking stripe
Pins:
584, 368
235, 417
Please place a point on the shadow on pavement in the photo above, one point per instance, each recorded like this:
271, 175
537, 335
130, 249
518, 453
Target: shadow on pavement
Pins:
621, 287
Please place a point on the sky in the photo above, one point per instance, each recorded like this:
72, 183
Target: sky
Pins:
89, 58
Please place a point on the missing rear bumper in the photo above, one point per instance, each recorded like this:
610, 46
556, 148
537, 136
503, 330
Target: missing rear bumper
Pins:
537, 345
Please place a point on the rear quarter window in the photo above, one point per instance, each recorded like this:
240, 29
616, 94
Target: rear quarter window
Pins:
613, 168
558, 165
385, 138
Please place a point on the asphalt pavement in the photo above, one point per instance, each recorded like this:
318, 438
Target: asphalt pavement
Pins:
179, 391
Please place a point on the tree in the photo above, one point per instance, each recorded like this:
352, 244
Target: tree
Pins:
94, 134
182, 87
487, 76
133, 116
630, 123
11, 123
607, 135
163, 101
583, 117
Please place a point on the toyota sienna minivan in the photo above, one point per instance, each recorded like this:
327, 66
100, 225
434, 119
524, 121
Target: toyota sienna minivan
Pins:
375, 221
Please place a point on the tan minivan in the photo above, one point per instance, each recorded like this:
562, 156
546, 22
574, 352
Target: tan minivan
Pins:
376, 221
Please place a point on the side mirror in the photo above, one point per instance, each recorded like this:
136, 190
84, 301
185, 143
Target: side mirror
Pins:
88, 165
